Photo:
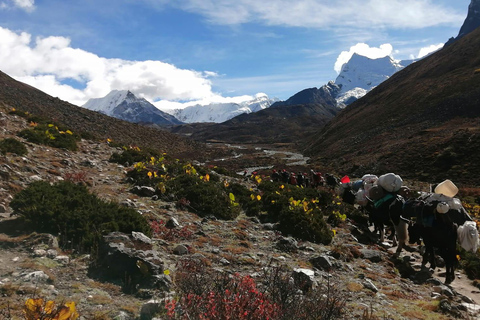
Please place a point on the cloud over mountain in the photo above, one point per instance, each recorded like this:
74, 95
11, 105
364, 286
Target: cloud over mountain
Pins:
46, 63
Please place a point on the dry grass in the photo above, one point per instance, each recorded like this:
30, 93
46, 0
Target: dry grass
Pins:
240, 234
354, 287
101, 299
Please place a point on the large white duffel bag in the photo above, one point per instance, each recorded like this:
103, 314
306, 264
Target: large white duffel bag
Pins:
390, 182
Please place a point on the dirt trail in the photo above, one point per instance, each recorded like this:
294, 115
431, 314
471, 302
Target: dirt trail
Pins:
461, 284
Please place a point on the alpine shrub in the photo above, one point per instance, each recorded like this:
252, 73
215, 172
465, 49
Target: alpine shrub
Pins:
12, 146
308, 226
77, 216
51, 135
132, 155
205, 197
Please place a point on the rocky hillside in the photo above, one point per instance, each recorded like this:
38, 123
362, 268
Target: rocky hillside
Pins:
364, 280
14, 94
421, 123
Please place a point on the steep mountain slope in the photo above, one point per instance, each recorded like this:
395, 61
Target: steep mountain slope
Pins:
277, 124
471, 23
423, 122
221, 112
15, 94
124, 105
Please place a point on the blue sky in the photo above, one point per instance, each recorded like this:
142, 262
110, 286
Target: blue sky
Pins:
178, 51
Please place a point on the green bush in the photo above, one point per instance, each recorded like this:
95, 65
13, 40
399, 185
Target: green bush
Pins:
78, 217
51, 135
309, 226
205, 197
132, 155
298, 211
13, 146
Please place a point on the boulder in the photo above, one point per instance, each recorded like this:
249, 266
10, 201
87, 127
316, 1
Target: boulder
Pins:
287, 245
127, 259
304, 279
322, 262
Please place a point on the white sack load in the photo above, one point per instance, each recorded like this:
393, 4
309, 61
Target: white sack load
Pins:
447, 188
391, 182
468, 236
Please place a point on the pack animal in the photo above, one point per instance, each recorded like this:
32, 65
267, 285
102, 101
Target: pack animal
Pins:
438, 231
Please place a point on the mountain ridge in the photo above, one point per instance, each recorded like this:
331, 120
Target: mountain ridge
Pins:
414, 123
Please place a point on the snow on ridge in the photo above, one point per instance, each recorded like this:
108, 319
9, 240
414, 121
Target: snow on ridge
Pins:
108, 103
222, 111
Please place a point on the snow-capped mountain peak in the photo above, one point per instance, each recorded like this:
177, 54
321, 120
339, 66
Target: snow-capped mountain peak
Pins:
361, 74
123, 104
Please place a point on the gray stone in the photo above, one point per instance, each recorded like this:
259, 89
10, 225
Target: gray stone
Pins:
143, 191
372, 255
369, 285
163, 282
149, 309
287, 245
140, 237
52, 253
172, 223
3, 209
123, 256
442, 289
36, 277
303, 278
322, 262
180, 250
445, 305
62, 259
39, 253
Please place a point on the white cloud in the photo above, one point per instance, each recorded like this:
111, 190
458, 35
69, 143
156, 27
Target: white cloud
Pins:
50, 61
363, 49
325, 14
27, 5
427, 50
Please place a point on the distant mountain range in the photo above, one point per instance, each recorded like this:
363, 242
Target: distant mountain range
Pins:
221, 112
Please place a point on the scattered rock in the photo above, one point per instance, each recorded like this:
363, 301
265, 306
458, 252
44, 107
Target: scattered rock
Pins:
149, 309
444, 290
303, 278
36, 277
372, 255
287, 245
180, 250
369, 285
322, 262
143, 191
172, 223
127, 259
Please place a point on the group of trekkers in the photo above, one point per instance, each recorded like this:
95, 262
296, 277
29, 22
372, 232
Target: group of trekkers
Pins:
312, 179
